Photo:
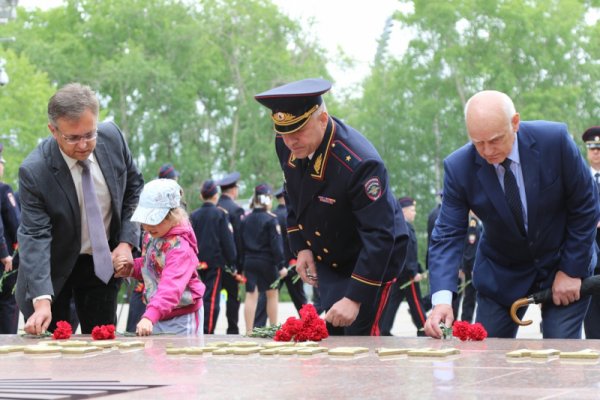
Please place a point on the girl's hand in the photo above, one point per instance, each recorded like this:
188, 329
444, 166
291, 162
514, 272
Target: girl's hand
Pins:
144, 327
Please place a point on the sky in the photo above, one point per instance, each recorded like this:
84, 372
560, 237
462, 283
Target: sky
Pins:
352, 26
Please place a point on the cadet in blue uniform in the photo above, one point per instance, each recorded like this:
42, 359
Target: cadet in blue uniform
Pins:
295, 290
9, 313
344, 223
216, 249
262, 255
591, 137
407, 285
229, 193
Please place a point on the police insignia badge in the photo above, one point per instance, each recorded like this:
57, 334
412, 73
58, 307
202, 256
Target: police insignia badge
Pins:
373, 188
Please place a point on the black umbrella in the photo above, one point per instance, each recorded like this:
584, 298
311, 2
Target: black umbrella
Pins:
590, 285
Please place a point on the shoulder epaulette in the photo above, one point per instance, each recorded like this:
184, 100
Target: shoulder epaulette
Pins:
345, 155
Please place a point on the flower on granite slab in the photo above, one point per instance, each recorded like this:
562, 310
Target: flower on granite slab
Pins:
310, 327
103, 332
63, 330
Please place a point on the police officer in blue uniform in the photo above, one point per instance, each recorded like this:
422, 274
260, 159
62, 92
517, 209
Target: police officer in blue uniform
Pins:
344, 223
229, 193
216, 249
591, 138
295, 289
262, 255
11, 216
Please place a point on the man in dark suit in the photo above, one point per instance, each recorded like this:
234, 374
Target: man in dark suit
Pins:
530, 187
343, 222
591, 138
229, 193
9, 223
56, 241
216, 249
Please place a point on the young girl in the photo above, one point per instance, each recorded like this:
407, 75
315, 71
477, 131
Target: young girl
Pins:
168, 263
262, 253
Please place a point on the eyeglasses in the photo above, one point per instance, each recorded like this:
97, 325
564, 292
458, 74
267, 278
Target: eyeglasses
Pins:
88, 137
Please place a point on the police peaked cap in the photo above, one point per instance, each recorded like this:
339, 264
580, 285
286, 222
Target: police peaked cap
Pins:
591, 137
292, 104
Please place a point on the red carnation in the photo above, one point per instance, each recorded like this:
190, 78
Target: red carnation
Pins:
460, 329
103, 332
63, 330
477, 332
308, 327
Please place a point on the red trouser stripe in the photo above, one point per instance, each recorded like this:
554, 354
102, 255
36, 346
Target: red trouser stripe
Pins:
417, 301
213, 297
382, 301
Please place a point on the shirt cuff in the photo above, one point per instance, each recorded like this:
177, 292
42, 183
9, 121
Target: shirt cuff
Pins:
441, 297
42, 297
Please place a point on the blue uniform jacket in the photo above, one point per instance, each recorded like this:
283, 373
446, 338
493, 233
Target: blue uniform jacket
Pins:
212, 228
562, 211
343, 210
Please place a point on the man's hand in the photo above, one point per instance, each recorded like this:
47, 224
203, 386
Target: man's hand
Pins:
122, 266
343, 312
7, 261
39, 321
123, 250
306, 268
440, 313
565, 290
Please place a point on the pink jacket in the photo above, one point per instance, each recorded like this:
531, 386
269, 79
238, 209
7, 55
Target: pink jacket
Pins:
168, 267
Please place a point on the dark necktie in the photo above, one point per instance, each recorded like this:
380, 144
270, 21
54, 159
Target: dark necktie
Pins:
511, 193
100, 250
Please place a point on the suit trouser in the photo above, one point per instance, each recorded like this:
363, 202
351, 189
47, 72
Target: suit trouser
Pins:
233, 304
558, 322
591, 323
9, 312
95, 301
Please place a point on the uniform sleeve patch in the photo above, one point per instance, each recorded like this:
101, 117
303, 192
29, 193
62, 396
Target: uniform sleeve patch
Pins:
12, 200
373, 188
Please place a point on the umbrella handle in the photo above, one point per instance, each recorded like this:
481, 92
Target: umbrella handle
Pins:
525, 301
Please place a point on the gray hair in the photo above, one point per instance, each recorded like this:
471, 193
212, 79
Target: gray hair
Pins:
71, 101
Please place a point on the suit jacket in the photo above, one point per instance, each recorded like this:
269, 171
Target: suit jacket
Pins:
562, 210
50, 231
341, 207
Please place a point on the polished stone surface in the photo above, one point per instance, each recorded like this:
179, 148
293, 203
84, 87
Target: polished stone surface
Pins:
480, 371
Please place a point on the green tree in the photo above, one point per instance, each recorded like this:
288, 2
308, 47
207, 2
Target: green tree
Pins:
178, 77
544, 54
23, 116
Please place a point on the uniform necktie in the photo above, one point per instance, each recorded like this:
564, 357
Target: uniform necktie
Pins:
100, 252
511, 193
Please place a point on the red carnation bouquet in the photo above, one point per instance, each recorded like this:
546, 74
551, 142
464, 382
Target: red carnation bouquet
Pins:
63, 330
308, 327
466, 331
103, 332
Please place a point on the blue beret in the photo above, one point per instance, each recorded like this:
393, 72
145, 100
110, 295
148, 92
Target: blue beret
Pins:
208, 189
167, 171
406, 201
292, 104
263, 188
229, 179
